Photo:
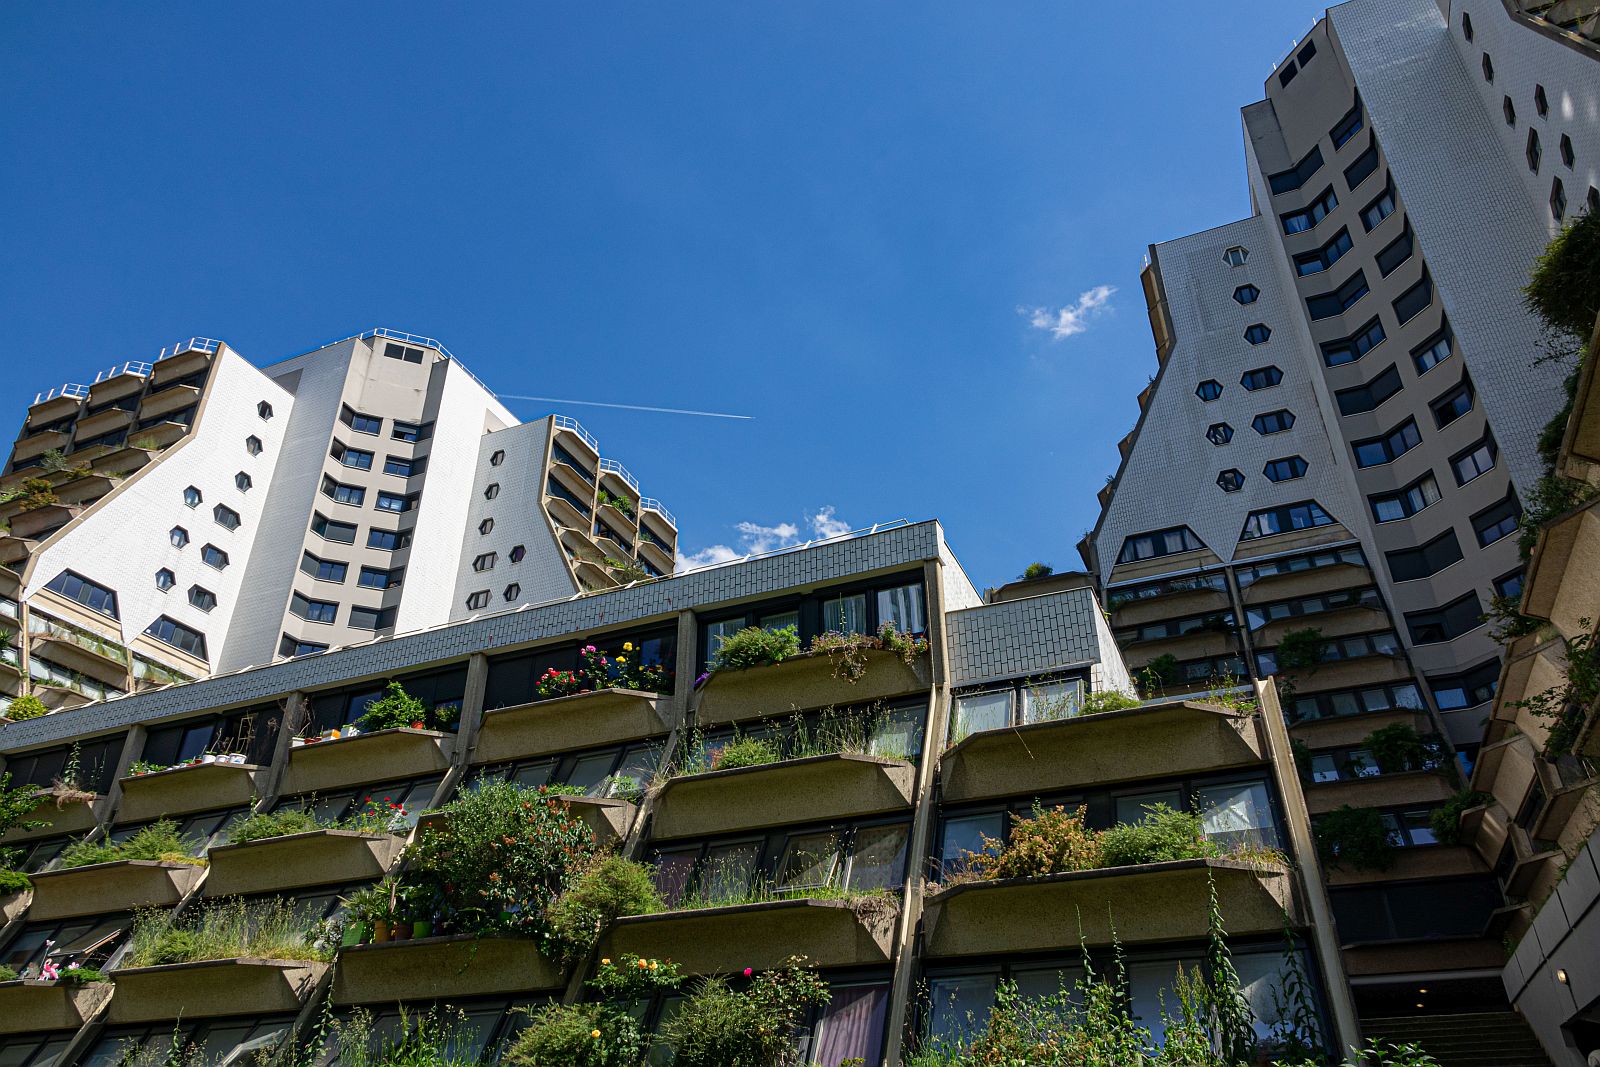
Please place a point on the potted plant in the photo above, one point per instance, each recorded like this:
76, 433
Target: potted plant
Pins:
368, 914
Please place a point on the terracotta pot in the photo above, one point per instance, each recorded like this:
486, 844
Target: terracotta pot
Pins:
380, 931
400, 931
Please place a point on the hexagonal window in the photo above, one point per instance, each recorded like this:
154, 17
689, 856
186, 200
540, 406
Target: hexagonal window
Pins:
202, 598
1286, 469
1261, 378
498, 458
264, 409
1209, 389
491, 491
212, 556
1247, 294
513, 591
1257, 333
1272, 422
517, 553
243, 482
1466, 25
1533, 151
485, 526
178, 536
1541, 103
1558, 200
1568, 156
252, 445
165, 579
1509, 110
1488, 68
1235, 256
1219, 433
1231, 480
1594, 200
192, 497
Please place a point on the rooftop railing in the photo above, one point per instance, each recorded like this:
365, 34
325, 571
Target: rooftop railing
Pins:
407, 338
132, 366
564, 422
613, 467
193, 344
650, 503
77, 392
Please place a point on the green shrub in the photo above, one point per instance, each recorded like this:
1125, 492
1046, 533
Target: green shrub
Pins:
1052, 842
1565, 288
745, 752
8, 974
1161, 834
1354, 838
610, 888
755, 647
395, 709
1154, 677
433, 1038
14, 882
1398, 747
603, 1033
1109, 700
718, 1026
258, 826
26, 707
224, 929
1036, 570
158, 841
1446, 818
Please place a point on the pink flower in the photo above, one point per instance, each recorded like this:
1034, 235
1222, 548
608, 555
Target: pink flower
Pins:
748, 971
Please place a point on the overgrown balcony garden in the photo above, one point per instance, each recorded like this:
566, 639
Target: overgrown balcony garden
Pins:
1393, 764
154, 867
298, 845
389, 735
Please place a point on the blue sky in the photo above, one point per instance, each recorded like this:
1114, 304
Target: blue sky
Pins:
906, 238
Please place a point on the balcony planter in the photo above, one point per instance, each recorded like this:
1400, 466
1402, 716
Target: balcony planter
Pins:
1147, 903
179, 790
317, 857
245, 986
35, 1006
65, 814
121, 885
1175, 737
609, 817
586, 720
43, 520
831, 933
1378, 791
805, 681
14, 904
438, 967
372, 757
814, 788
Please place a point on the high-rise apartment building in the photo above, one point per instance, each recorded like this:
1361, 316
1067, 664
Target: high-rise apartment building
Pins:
1325, 475
368, 487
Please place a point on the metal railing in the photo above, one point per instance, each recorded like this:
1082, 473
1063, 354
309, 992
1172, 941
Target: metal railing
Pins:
132, 366
611, 466
77, 392
99, 646
564, 422
193, 344
650, 503
408, 338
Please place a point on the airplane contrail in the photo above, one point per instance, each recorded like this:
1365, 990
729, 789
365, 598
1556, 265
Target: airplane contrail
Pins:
625, 407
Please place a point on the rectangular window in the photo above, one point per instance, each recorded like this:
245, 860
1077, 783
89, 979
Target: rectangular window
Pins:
379, 578
1413, 300
1453, 404
343, 533
1376, 451
1378, 210
401, 466
1388, 507
1367, 397
394, 502
1452, 692
903, 608
1362, 168
291, 646
1406, 565
1447, 623
92, 595
845, 615
344, 494
1479, 459
389, 540
371, 618
1497, 520
1397, 252
402, 352
313, 610
1350, 349
1289, 180
406, 431
1510, 585
323, 570
354, 458
1347, 127
1432, 352
1313, 213
1342, 299
171, 632
1160, 543
1307, 263
359, 422
1302, 516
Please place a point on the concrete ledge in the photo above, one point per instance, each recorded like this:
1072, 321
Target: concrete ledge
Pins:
804, 682
432, 967
1428, 861
73, 817
1156, 740
1413, 957
831, 933
1379, 791
122, 885
179, 790
1151, 902
14, 904
810, 789
243, 986
35, 1006
375, 757
609, 817
317, 857
561, 724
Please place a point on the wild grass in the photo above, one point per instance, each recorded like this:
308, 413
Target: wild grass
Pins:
158, 841
833, 731
225, 929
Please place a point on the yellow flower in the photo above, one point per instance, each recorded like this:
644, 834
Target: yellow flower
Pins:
643, 964
621, 660
605, 963
594, 1033
652, 965
627, 646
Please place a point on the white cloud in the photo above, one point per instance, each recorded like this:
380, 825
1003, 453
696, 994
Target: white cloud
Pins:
1074, 318
754, 537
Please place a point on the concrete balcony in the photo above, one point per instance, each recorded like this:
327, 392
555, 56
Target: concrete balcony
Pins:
374, 757
160, 436
14, 904
594, 576
102, 888
431, 968
1337, 730
568, 478
565, 517
179, 366
1289, 584
812, 789
35, 444
40, 523
41, 1006
570, 435
1410, 958
1341, 622
121, 462
294, 861
128, 380
659, 519
831, 933
618, 520
1291, 541
180, 790
1425, 861
656, 556
612, 549
107, 420
1152, 741
608, 818
14, 549
244, 986
62, 813
168, 401
616, 480
100, 658
1379, 791
1562, 583
1148, 903
1196, 644
562, 724
1353, 673
1172, 605
802, 682
57, 404
87, 489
